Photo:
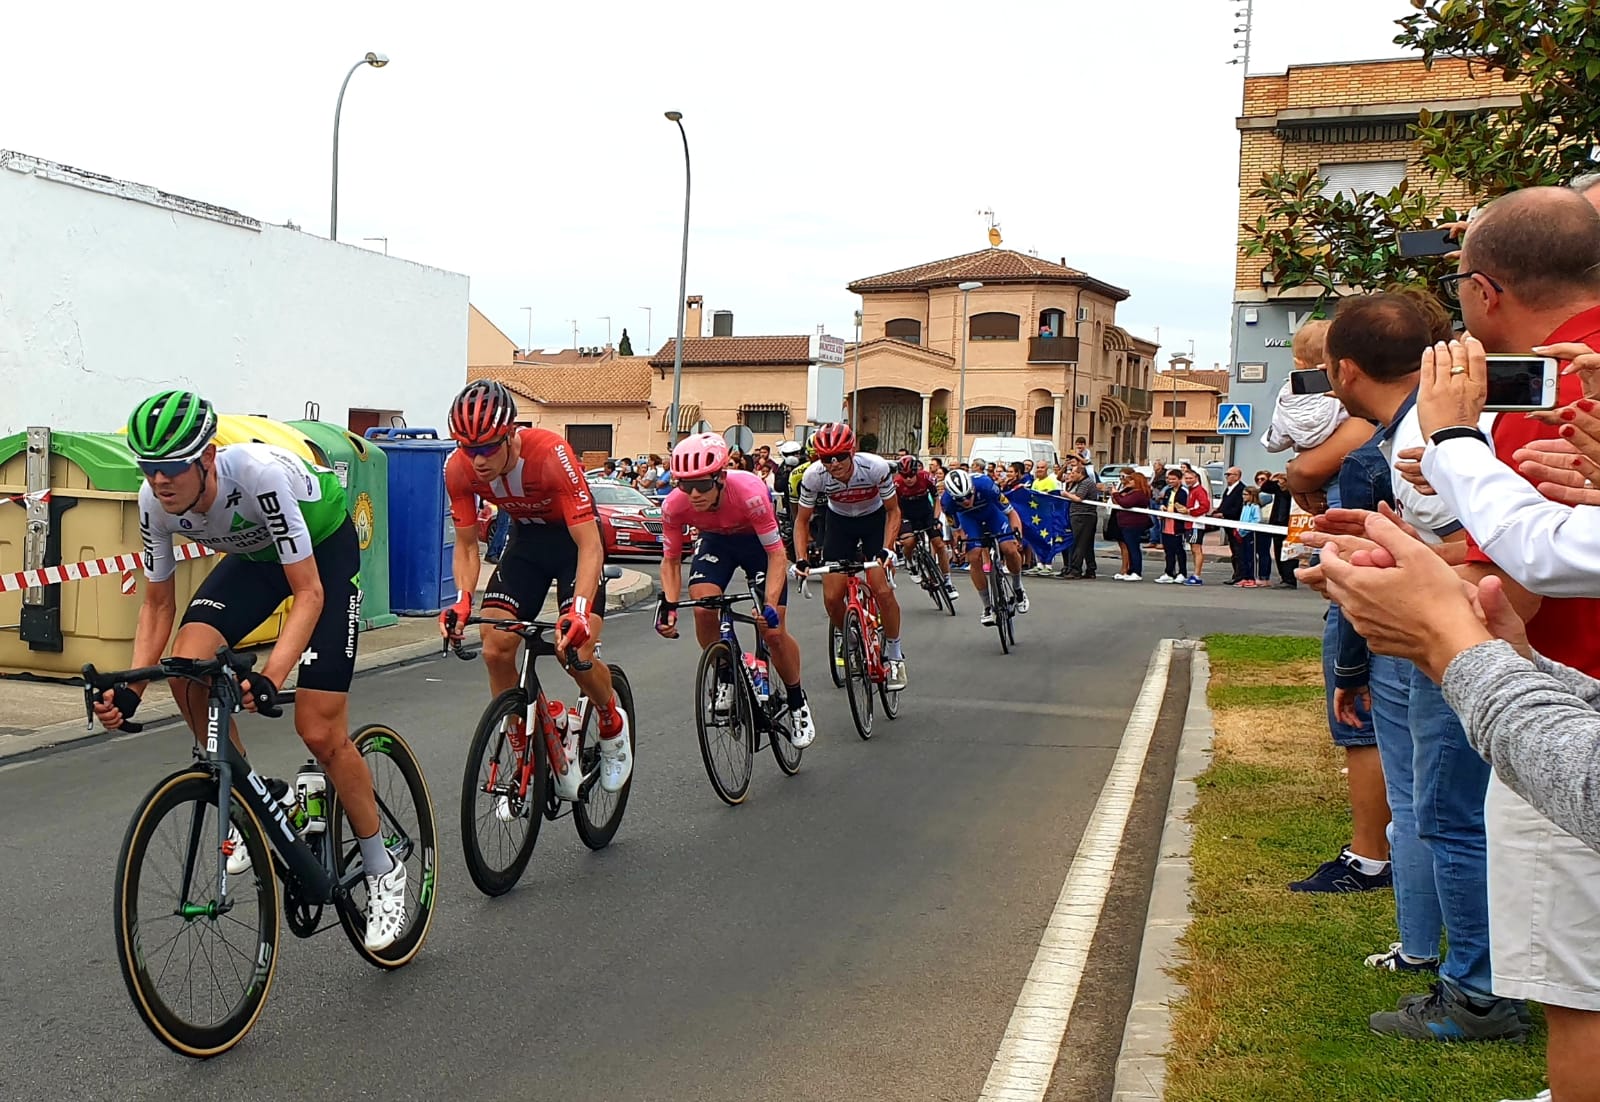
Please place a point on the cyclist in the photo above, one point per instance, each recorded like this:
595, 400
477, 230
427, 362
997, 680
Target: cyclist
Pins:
920, 512
733, 514
863, 524
532, 474
284, 525
979, 507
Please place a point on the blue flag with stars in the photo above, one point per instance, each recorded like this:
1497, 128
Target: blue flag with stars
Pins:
1045, 523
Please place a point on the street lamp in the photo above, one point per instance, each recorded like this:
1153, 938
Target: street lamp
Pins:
649, 330
529, 346
961, 402
855, 389
385, 241
683, 282
377, 61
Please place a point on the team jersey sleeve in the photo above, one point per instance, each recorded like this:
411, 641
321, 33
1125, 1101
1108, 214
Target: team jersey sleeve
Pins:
458, 487
811, 485
674, 514
158, 560
758, 512
886, 483
560, 475
280, 509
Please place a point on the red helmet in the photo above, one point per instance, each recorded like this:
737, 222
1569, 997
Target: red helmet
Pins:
700, 455
482, 413
834, 439
909, 466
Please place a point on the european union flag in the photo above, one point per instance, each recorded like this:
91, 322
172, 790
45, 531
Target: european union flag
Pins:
1045, 523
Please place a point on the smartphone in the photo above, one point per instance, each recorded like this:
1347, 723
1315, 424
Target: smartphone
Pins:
1314, 381
1427, 243
1522, 383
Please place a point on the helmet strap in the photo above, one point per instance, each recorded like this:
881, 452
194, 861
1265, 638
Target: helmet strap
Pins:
189, 508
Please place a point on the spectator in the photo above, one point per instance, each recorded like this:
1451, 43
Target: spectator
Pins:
625, 472
1199, 505
608, 471
655, 479
1084, 519
1134, 493
1043, 480
1277, 485
1231, 508
1250, 514
1173, 499
1158, 485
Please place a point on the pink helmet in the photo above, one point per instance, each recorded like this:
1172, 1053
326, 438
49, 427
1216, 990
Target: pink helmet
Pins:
704, 453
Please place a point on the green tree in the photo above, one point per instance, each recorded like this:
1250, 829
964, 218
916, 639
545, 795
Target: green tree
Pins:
1307, 238
626, 347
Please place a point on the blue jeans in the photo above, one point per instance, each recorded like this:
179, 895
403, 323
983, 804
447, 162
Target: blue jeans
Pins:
1343, 734
1133, 540
1450, 782
1416, 900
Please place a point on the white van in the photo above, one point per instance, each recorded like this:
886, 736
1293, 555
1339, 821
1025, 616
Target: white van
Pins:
1006, 450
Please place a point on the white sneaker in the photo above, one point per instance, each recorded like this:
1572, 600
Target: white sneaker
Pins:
1132, 578
1542, 1096
1120, 577
895, 669
616, 760
386, 908
804, 728
1022, 604
987, 619
1166, 579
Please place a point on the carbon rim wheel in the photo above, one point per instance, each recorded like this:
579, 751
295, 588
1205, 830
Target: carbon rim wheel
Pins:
599, 813
857, 687
784, 750
497, 849
889, 697
835, 657
727, 736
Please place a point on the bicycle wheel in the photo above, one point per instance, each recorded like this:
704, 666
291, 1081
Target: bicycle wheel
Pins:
599, 813
727, 736
835, 657
167, 924
781, 736
928, 574
497, 839
889, 698
1000, 582
856, 682
405, 819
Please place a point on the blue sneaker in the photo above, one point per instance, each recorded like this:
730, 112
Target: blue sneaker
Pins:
1340, 875
1444, 1015
1193, 579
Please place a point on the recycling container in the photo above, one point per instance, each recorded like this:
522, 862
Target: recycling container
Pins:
422, 536
363, 471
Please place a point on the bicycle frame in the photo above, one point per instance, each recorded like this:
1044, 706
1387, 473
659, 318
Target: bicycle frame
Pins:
767, 710
858, 598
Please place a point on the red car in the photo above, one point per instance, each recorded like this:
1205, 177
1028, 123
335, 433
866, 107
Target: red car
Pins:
630, 522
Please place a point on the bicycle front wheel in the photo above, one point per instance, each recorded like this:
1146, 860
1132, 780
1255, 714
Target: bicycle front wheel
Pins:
198, 969
727, 726
1000, 582
502, 794
405, 819
857, 680
598, 815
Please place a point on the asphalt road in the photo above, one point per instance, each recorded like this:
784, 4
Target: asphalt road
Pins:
860, 931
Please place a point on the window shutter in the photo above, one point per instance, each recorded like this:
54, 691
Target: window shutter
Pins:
1350, 178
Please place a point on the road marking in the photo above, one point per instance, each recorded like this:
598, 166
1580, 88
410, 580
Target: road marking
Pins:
1032, 1043
19, 765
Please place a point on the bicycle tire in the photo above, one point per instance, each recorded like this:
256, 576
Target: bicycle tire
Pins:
929, 576
596, 833
835, 656
377, 740
496, 876
889, 698
999, 582
857, 687
715, 659
198, 788
947, 602
784, 751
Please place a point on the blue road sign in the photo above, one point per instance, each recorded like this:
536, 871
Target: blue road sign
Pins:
1233, 419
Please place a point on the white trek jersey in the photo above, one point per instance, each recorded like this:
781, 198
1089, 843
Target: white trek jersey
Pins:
870, 484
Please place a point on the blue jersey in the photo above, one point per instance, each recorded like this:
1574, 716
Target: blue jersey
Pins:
985, 496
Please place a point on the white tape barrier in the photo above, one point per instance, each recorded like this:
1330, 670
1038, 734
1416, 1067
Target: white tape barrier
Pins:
94, 568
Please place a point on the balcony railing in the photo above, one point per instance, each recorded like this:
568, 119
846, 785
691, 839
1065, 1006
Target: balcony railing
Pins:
1052, 350
1135, 398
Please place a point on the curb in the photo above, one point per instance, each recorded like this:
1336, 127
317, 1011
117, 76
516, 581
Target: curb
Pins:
1142, 1065
640, 589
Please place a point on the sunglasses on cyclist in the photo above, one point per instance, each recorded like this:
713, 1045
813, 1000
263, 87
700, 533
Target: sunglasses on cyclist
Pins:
167, 468
479, 451
697, 485
832, 459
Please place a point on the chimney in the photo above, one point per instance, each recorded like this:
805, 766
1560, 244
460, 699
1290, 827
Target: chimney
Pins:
691, 318
722, 323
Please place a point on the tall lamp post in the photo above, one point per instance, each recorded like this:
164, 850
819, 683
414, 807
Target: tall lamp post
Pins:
855, 389
683, 284
649, 329
377, 61
961, 402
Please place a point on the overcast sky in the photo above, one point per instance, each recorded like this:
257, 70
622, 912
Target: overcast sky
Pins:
525, 145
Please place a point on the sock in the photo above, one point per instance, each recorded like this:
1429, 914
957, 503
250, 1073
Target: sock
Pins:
610, 720
1366, 865
375, 858
891, 650
797, 696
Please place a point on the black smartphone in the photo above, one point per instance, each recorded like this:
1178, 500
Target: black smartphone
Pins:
1427, 243
1522, 383
1314, 381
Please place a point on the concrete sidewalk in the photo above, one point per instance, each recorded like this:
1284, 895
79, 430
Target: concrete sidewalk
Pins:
35, 715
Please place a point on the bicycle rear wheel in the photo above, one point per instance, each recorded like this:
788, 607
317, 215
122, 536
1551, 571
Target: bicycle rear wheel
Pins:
405, 819
167, 923
857, 686
599, 813
780, 734
835, 656
497, 838
727, 735
889, 698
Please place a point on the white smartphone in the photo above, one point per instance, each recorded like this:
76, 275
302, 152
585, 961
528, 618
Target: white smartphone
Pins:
1519, 383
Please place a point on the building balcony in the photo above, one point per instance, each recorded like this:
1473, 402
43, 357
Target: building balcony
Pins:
1135, 398
1052, 350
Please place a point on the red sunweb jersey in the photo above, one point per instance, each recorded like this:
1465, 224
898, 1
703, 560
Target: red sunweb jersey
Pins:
544, 486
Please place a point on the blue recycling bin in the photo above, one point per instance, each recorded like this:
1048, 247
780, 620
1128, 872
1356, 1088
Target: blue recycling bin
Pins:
422, 536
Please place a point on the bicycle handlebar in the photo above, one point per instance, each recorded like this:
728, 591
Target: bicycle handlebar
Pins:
96, 683
838, 568
531, 630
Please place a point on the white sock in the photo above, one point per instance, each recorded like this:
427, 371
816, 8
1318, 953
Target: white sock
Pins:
1364, 864
891, 650
375, 857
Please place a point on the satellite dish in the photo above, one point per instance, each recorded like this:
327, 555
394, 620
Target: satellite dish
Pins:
994, 236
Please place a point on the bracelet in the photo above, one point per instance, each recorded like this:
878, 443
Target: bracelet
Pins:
1459, 432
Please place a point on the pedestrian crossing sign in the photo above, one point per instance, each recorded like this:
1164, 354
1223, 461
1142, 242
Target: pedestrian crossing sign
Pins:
1233, 419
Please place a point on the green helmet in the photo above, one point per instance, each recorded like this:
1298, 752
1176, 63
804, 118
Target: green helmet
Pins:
173, 425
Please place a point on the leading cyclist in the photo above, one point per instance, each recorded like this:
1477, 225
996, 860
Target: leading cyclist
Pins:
976, 502
284, 526
920, 512
733, 513
555, 537
863, 526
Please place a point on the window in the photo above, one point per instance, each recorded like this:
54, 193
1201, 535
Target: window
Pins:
904, 329
1051, 323
766, 420
1350, 178
589, 438
1174, 409
1044, 421
991, 420
994, 327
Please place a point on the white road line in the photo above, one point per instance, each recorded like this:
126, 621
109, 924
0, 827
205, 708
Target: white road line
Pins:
1027, 1057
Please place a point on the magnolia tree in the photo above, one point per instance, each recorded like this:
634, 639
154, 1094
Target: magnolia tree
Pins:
1549, 46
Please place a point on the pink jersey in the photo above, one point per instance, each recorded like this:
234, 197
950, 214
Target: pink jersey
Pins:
743, 508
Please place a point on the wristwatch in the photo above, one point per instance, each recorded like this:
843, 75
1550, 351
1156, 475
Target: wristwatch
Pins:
1454, 432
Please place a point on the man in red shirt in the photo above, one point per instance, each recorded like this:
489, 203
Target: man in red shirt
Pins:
1199, 506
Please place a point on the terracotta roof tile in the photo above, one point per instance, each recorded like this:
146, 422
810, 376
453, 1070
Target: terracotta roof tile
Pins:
737, 352
1167, 381
564, 356
623, 381
1158, 423
986, 265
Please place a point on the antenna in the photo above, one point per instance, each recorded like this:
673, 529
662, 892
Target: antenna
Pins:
994, 227
1241, 47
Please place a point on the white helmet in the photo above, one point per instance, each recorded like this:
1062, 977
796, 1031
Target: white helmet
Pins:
789, 452
958, 483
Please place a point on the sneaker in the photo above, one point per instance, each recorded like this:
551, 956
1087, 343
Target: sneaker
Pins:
1193, 579
1340, 875
804, 731
1119, 577
1542, 1096
386, 908
1166, 579
1443, 1015
950, 590
895, 670
987, 619
616, 762
1022, 604
1132, 578
1395, 961
238, 852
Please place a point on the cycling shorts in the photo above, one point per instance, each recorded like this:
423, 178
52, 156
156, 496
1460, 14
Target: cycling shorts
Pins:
239, 595
538, 555
720, 554
854, 539
916, 515
987, 521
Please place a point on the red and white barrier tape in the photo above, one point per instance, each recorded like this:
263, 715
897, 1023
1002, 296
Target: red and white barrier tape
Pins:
94, 568
22, 499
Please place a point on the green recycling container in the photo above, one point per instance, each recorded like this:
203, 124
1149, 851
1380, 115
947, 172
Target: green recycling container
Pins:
363, 471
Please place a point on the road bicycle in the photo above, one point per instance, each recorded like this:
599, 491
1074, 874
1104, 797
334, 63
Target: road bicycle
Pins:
1002, 592
756, 706
861, 640
512, 782
926, 566
174, 918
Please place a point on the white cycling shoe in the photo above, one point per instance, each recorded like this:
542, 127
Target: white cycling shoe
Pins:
238, 852
987, 619
616, 756
895, 670
805, 728
386, 908
1022, 603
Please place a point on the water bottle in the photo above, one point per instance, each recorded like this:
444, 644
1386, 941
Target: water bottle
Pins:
311, 786
758, 675
574, 729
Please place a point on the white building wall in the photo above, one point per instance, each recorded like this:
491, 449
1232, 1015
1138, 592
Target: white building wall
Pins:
109, 291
